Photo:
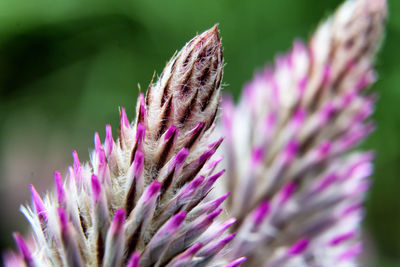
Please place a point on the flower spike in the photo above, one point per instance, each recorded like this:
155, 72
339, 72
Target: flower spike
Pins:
290, 140
135, 202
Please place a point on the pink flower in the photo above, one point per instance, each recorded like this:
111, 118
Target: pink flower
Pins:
290, 146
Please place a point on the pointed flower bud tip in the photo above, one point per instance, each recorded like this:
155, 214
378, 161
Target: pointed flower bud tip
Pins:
298, 247
59, 187
193, 250
228, 239
257, 155
118, 221
287, 192
221, 199
96, 187
77, 164
351, 252
124, 118
261, 212
134, 260
140, 133
109, 140
38, 202
237, 262
178, 219
97, 142
138, 164
188, 89
181, 156
172, 131
153, 189
23, 248
341, 238
214, 214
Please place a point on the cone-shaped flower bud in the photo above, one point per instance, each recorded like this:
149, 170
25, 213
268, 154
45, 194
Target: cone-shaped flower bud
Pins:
289, 142
188, 90
140, 201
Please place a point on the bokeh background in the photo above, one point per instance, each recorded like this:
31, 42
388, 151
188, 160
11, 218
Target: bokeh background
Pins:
67, 65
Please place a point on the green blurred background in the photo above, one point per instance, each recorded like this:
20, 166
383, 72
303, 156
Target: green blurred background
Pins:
67, 65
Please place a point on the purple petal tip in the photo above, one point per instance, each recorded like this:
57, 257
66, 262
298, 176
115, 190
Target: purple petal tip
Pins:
193, 249
181, 156
172, 131
124, 118
221, 199
152, 190
237, 262
76, 163
96, 187
178, 219
298, 247
138, 163
134, 260
206, 155
228, 239
109, 140
351, 253
341, 238
214, 214
261, 212
196, 183
23, 247
38, 202
216, 144
59, 187
257, 155
228, 223
198, 127
140, 133
291, 150
97, 142
118, 221
217, 175
287, 192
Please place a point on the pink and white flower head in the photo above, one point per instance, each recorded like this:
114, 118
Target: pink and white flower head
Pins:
297, 186
293, 181
141, 199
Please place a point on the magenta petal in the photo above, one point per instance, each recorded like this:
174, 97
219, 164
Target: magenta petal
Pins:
152, 190
172, 131
190, 252
38, 203
76, 164
118, 221
140, 133
341, 238
138, 164
180, 158
351, 252
124, 119
97, 142
298, 247
109, 140
260, 213
134, 260
23, 249
236, 263
96, 188
59, 187
286, 192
